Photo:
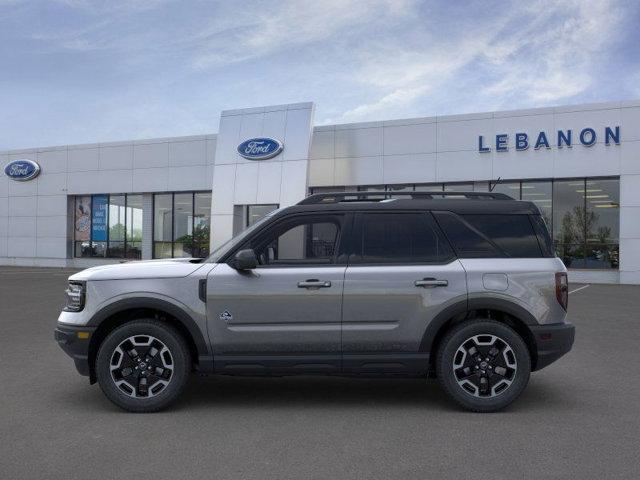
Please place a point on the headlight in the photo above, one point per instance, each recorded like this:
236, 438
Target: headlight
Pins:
75, 297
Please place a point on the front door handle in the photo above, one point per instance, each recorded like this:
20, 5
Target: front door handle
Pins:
431, 283
314, 283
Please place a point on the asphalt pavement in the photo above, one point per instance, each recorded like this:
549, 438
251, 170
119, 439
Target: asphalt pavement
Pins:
578, 418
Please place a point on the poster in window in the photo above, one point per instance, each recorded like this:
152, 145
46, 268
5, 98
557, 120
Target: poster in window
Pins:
83, 219
99, 218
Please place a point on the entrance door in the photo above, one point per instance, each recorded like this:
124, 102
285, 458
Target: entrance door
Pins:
401, 274
286, 313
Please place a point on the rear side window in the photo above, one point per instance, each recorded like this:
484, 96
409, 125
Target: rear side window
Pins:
513, 234
467, 241
544, 239
398, 238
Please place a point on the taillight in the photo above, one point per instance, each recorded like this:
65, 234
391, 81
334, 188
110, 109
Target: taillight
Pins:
562, 289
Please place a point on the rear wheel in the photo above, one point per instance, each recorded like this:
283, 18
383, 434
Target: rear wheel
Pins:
483, 365
143, 365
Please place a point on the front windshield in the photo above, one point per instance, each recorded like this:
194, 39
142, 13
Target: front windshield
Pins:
219, 252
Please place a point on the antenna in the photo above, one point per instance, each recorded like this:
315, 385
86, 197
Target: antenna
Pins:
494, 185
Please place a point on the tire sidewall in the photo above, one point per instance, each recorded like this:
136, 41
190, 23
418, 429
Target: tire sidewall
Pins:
173, 341
454, 340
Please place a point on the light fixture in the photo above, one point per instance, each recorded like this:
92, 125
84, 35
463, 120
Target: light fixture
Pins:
597, 196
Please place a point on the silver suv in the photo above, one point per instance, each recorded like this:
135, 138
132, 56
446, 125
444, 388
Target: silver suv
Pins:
463, 286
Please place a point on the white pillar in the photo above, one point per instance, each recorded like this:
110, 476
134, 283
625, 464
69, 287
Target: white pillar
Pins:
279, 180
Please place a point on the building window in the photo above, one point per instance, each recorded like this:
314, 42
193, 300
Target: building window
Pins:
181, 224
108, 226
511, 189
256, 212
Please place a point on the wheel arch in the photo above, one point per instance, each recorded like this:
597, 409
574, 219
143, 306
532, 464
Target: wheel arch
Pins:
125, 310
503, 311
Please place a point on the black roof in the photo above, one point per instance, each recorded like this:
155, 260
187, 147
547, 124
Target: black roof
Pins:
458, 202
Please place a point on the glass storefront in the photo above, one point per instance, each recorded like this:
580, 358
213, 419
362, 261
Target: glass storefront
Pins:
583, 215
181, 224
108, 226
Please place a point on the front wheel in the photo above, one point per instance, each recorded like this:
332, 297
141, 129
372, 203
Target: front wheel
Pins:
483, 365
143, 365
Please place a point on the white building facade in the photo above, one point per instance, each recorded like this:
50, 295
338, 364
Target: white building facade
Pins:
82, 205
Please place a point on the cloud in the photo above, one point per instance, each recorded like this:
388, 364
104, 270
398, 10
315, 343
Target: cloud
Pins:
541, 53
124, 69
552, 61
260, 32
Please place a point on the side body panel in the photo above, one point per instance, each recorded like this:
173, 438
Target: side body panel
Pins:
258, 317
526, 282
385, 315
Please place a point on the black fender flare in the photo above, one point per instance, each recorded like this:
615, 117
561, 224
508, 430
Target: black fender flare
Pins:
465, 306
186, 320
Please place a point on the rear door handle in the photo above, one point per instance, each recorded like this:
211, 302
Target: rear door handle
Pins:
314, 283
431, 283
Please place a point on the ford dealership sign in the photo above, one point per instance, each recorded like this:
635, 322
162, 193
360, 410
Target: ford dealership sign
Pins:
564, 138
22, 170
260, 148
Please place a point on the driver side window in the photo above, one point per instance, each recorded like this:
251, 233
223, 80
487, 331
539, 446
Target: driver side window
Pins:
301, 241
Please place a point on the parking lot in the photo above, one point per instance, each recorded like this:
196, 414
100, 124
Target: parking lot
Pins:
579, 418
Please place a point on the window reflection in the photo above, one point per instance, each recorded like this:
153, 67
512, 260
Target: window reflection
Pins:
134, 227
162, 225
541, 194
201, 224
256, 212
182, 224
511, 189
108, 226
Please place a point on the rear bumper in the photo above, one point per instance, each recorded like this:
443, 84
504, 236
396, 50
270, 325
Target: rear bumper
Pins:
77, 347
552, 342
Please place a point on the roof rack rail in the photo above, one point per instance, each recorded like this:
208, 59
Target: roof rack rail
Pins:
338, 197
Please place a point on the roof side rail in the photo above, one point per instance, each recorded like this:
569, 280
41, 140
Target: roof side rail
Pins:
338, 197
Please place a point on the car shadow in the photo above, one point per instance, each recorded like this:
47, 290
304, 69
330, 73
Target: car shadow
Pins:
253, 392
321, 392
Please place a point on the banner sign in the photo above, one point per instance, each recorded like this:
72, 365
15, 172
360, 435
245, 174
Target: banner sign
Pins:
99, 218
83, 219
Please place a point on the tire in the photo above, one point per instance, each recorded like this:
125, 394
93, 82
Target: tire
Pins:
460, 368
145, 345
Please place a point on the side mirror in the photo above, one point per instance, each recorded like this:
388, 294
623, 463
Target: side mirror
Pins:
245, 260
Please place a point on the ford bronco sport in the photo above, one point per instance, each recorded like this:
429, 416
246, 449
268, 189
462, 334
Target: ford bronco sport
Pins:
463, 286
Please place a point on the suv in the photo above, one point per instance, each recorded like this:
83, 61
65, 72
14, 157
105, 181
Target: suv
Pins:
463, 286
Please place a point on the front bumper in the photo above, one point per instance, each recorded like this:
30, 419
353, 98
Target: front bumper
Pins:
75, 343
552, 342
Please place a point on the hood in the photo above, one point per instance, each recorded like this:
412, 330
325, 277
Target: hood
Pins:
170, 268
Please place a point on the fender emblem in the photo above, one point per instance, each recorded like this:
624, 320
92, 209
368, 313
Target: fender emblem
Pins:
226, 316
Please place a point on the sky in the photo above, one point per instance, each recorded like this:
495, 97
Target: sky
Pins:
80, 71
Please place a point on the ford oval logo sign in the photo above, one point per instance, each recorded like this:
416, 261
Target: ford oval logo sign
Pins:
22, 170
260, 148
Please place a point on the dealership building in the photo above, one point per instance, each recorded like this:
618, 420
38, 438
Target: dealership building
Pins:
84, 205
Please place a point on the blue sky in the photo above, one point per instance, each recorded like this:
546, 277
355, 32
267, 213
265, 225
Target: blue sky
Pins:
77, 71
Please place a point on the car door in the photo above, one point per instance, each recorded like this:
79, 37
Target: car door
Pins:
286, 313
401, 274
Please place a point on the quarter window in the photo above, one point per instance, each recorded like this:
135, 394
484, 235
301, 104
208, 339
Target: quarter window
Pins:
514, 234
